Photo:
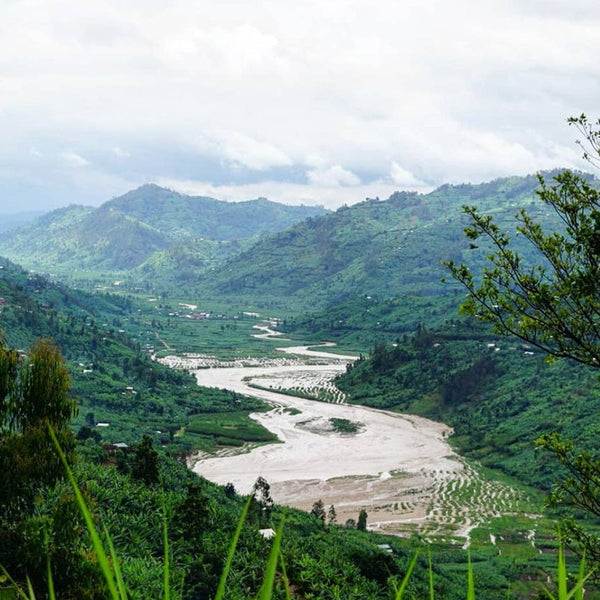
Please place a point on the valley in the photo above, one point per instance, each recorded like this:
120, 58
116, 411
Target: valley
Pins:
399, 468
367, 393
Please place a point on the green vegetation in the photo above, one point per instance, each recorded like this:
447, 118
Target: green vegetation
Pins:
231, 429
156, 240
170, 234
201, 521
345, 425
553, 304
122, 394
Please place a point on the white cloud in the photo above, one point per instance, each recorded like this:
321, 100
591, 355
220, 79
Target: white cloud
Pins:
231, 50
414, 91
329, 196
73, 159
252, 153
120, 153
333, 176
403, 178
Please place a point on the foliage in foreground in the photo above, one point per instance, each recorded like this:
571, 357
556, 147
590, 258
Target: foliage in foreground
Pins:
274, 579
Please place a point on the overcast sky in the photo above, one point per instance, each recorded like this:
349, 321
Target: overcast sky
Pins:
323, 102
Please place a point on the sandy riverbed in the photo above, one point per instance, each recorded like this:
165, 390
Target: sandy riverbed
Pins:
399, 468
391, 467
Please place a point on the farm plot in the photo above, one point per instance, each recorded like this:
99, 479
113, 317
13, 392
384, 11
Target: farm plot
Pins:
310, 384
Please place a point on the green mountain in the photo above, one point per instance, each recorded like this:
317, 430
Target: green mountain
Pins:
389, 248
179, 217
125, 232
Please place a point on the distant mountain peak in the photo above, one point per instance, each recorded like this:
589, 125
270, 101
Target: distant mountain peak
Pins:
125, 231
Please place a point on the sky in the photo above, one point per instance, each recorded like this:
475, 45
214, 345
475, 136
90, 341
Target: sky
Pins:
326, 102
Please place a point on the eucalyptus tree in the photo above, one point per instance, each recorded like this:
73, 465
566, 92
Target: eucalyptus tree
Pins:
34, 396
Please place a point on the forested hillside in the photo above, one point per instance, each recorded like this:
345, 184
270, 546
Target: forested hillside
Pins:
113, 380
386, 248
126, 231
498, 394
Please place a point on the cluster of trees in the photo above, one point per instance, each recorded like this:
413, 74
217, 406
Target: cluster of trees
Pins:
330, 516
33, 399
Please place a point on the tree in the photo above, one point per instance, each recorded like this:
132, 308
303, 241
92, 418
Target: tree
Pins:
33, 397
145, 462
230, 490
39, 517
318, 510
361, 524
331, 515
196, 513
551, 302
264, 502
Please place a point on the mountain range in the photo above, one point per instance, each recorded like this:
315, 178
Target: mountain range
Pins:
292, 258
387, 248
124, 232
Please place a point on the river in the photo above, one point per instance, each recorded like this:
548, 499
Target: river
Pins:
395, 466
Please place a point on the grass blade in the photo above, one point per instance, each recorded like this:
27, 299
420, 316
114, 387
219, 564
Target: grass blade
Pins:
266, 590
577, 591
580, 579
430, 568
51, 593
236, 536
166, 583
117, 568
404, 583
30, 589
562, 575
470, 579
17, 589
288, 593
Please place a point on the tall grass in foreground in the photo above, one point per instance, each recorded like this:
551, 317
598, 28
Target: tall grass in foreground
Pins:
117, 589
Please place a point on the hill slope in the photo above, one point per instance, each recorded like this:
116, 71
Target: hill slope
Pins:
125, 232
113, 380
387, 248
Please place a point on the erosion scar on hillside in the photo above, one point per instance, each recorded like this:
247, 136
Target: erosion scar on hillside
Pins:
399, 468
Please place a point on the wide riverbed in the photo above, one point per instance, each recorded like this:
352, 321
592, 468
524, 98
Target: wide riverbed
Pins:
398, 467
